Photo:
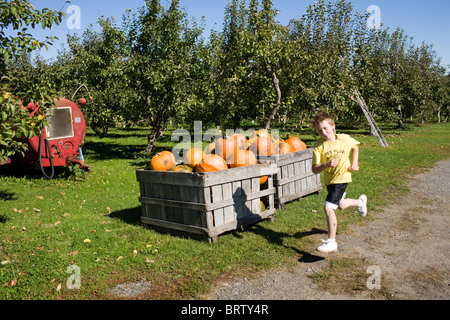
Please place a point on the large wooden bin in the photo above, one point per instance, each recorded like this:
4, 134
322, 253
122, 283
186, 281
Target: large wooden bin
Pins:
206, 205
294, 178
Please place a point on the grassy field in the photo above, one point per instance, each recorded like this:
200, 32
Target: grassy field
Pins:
94, 224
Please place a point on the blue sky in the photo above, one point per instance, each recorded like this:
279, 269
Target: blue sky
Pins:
425, 21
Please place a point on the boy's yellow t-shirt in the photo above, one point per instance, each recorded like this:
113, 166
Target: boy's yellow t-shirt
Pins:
325, 151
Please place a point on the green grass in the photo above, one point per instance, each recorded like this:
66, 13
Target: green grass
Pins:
47, 226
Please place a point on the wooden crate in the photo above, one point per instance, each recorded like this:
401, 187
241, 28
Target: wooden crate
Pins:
206, 205
294, 178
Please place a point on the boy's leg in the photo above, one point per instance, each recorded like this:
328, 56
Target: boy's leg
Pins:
335, 194
361, 204
332, 222
348, 203
330, 245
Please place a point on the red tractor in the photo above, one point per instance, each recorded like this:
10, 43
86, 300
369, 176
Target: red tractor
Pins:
61, 141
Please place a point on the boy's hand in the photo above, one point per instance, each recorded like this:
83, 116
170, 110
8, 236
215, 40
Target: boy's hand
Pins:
333, 163
354, 167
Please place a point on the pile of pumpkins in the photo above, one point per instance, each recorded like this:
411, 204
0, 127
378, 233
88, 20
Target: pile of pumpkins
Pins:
229, 152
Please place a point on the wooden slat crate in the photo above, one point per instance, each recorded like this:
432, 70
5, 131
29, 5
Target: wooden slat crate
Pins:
206, 205
294, 178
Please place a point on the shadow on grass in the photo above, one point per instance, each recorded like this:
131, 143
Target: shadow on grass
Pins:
31, 173
105, 150
133, 216
7, 196
277, 238
120, 133
130, 216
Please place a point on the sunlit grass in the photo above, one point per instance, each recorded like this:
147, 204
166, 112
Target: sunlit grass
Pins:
47, 226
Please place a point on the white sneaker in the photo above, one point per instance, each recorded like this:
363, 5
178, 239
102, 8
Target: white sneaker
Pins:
363, 209
328, 246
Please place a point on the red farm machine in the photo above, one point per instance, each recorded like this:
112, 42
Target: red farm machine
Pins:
61, 141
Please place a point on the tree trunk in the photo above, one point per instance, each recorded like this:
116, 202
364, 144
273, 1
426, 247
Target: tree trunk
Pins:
237, 122
159, 124
284, 122
400, 117
276, 85
152, 137
105, 130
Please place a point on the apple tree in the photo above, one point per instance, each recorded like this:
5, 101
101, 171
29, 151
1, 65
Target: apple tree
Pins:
161, 65
15, 18
98, 60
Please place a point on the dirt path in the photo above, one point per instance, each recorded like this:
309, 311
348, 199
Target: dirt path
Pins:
407, 245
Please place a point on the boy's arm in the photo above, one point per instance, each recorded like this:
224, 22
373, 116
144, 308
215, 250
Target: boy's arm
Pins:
355, 159
318, 168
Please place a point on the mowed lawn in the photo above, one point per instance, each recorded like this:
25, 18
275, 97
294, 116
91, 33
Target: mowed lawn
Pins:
50, 227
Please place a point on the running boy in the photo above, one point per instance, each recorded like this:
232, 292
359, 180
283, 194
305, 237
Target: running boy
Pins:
331, 156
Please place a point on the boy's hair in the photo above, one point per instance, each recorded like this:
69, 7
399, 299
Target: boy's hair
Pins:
323, 116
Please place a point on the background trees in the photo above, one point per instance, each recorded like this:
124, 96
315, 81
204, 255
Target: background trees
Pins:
98, 60
17, 16
161, 65
157, 68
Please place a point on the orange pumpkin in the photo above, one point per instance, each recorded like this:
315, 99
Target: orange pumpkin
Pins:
248, 143
182, 168
242, 158
239, 138
296, 144
281, 147
211, 163
263, 180
163, 161
193, 157
226, 147
262, 133
264, 145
